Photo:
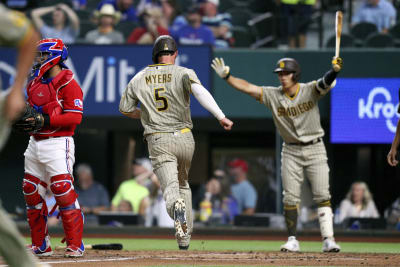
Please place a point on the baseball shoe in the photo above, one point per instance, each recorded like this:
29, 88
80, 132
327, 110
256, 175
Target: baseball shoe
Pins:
180, 218
183, 247
74, 252
329, 245
292, 245
44, 250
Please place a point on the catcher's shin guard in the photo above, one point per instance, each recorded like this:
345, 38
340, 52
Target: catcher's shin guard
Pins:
36, 210
71, 214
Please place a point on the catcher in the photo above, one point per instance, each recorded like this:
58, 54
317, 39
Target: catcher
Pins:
54, 109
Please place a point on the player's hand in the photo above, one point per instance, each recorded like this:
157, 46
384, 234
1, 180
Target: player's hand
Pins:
391, 157
226, 123
220, 68
337, 64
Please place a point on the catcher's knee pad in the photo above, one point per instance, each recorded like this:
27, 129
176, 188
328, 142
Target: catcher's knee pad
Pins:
63, 190
31, 189
73, 226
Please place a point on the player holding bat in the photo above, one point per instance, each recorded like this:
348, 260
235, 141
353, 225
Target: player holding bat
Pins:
295, 111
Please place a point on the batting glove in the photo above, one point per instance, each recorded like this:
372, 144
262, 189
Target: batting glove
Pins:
337, 64
218, 65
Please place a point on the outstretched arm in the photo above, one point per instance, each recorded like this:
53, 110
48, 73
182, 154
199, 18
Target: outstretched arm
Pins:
207, 101
391, 157
241, 85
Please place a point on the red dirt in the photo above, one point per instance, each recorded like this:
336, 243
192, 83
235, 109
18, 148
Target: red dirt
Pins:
146, 258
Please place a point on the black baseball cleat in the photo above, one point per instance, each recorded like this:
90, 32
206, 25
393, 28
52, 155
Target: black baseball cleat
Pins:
183, 247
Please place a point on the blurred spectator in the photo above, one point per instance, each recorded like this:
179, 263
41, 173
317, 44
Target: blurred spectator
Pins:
93, 197
358, 203
105, 32
124, 206
392, 214
59, 29
156, 213
193, 33
79, 4
125, 7
50, 203
132, 190
243, 191
171, 13
379, 12
152, 27
219, 23
296, 18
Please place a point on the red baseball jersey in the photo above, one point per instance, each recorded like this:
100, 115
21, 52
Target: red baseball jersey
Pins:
62, 99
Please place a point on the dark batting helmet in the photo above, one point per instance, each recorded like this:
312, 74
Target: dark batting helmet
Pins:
289, 65
164, 43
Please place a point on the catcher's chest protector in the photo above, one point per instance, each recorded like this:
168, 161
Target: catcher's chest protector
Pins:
40, 93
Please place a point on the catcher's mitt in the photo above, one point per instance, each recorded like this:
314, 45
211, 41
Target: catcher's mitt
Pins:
30, 121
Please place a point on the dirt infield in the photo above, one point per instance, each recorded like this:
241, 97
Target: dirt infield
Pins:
220, 258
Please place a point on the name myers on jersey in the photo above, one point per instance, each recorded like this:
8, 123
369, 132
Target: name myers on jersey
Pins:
295, 110
159, 78
369, 109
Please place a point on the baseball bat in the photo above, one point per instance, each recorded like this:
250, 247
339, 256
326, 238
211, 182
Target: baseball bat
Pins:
338, 30
111, 246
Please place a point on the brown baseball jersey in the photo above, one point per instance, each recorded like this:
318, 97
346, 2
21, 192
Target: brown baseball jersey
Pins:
297, 118
164, 92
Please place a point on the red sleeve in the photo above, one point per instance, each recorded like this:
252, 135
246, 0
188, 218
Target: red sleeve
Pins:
135, 35
162, 31
71, 97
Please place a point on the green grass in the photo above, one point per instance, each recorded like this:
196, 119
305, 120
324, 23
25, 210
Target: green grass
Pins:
237, 245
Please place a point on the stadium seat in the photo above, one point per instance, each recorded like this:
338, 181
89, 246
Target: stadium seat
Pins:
262, 6
240, 16
225, 5
126, 27
379, 40
346, 40
85, 27
242, 36
361, 31
264, 28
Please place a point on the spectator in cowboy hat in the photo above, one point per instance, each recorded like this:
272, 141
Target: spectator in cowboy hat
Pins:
107, 17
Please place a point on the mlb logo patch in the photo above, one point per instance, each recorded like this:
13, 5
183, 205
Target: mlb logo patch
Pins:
78, 103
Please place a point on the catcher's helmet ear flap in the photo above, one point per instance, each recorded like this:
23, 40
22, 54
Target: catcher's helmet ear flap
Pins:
164, 43
57, 53
289, 65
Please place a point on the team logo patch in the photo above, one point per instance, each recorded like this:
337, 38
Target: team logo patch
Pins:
165, 47
78, 103
281, 64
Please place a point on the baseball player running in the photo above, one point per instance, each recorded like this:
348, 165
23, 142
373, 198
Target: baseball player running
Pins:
294, 108
15, 30
163, 89
55, 108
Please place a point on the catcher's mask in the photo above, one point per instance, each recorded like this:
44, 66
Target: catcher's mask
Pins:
289, 65
163, 44
50, 52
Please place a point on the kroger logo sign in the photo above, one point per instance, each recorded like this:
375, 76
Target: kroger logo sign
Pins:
372, 109
364, 110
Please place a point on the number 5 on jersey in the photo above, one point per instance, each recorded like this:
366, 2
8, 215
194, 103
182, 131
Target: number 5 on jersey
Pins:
161, 101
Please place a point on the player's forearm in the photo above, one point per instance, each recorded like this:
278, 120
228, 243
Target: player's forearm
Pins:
134, 114
207, 101
396, 140
66, 119
244, 86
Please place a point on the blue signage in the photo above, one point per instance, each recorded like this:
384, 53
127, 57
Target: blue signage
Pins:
364, 110
104, 71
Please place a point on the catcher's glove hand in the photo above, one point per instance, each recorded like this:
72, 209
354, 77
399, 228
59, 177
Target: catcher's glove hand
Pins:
337, 63
31, 121
218, 65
